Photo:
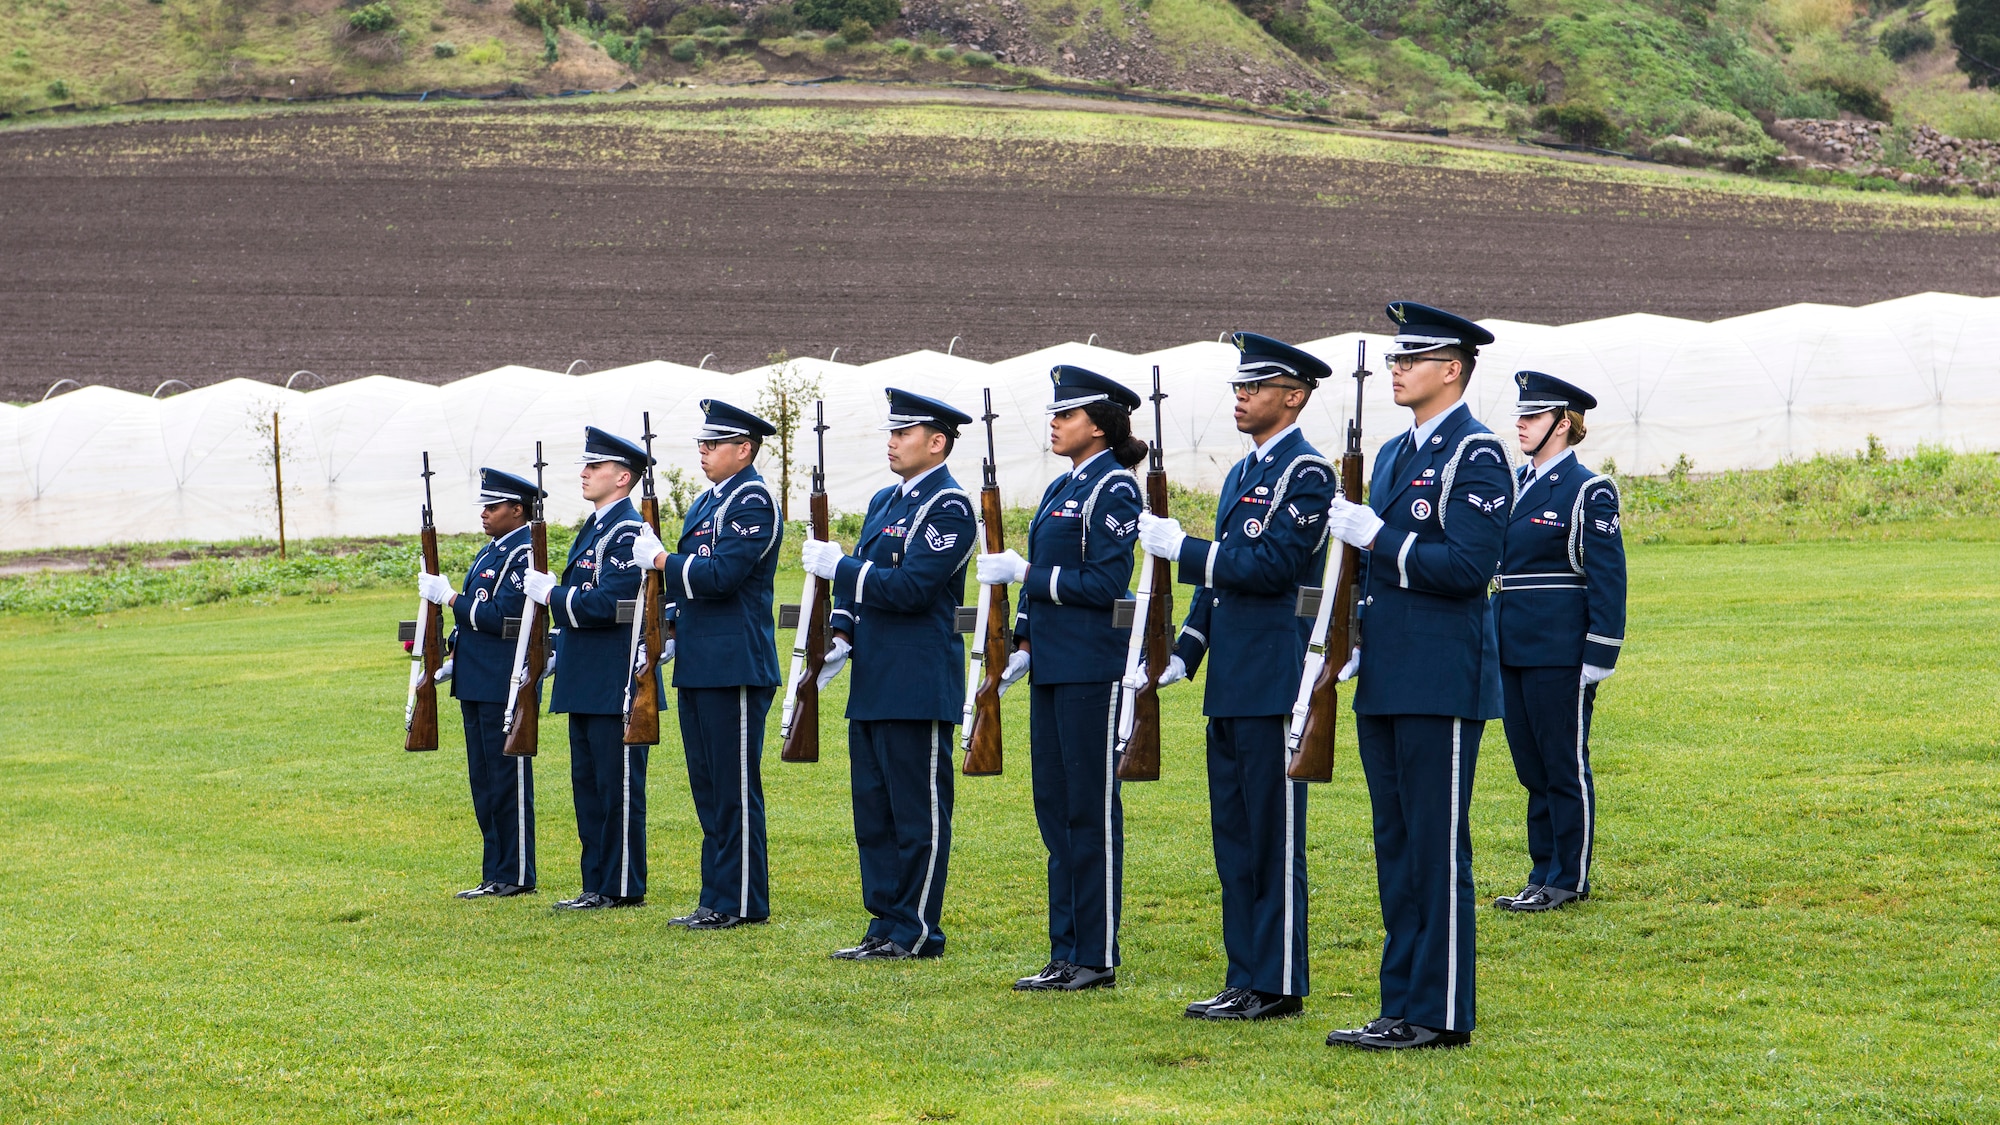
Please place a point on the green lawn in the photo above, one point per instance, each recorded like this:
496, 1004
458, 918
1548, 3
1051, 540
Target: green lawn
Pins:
227, 897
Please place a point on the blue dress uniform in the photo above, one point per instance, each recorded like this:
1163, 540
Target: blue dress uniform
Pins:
1561, 606
719, 580
592, 654
1271, 534
897, 596
1080, 563
503, 788
1430, 678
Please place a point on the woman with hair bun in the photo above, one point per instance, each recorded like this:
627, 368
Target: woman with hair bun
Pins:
1079, 564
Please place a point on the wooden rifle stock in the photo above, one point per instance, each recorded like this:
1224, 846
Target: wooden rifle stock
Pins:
1141, 759
642, 694
524, 717
982, 741
1312, 758
422, 726
801, 741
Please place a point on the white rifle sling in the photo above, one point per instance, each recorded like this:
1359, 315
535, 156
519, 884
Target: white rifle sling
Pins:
1329, 593
808, 599
417, 652
1135, 651
515, 682
975, 668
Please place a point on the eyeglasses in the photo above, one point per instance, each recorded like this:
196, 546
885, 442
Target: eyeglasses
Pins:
1255, 385
1393, 363
714, 444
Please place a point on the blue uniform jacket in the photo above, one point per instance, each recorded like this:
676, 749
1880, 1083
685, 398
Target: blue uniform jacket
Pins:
593, 651
719, 579
1271, 532
1428, 643
897, 597
1562, 576
1080, 560
482, 660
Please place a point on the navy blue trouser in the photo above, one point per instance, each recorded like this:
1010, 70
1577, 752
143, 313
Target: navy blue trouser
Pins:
1258, 817
722, 731
1073, 740
1419, 770
1548, 731
609, 778
901, 772
503, 796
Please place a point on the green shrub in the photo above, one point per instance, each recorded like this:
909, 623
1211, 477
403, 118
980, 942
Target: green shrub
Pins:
900, 46
773, 21
489, 53
919, 52
685, 51
856, 30
535, 13
834, 43
1575, 122
59, 90
372, 17
829, 15
978, 58
444, 49
1911, 37
689, 21
1975, 30
1855, 97
1808, 103
947, 54
714, 31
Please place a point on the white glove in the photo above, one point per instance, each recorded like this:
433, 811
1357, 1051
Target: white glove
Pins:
820, 557
537, 584
1017, 664
836, 659
666, 651
1353, 524
1002, 569
548, 666
1350, 669
1161, 538
444, 671
647, 548
1593, 674
434, 588
1175, 673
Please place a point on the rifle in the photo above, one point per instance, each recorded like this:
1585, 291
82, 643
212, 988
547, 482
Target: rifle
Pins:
992, 631
1309, 738
642, 689
798, 729
420, 711
1152, 621
531, 648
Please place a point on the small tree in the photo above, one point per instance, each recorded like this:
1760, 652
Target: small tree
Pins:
782, 403
266, 425
1975, 31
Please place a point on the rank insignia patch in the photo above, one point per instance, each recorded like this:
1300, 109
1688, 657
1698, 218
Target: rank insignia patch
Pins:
938, 541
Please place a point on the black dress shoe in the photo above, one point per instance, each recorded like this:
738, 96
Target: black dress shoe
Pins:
588, 900
627, 900
1544, 898
1034, 983
716, 920
853, 953
480, 891
1250, 1004
883, 951
1406, 1036
1076, 978
695, 915
1348, 1036
508, 890
1200, 1008
1506, 902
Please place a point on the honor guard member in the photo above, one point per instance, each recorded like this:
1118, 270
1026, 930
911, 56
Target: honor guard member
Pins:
718, 582
1561, 618
895, 604
1079, 563
481, 667
1270, 534
591, 653
1430, 672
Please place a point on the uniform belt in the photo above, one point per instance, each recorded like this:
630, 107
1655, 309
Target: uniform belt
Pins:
1541, 582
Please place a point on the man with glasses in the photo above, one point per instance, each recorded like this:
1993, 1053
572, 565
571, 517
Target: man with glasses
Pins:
1269, 541
718, 584
1429, 661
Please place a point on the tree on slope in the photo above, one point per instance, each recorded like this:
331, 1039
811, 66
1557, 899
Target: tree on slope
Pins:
1975, 31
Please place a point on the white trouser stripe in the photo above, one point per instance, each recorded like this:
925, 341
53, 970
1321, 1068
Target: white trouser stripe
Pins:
1451, 939
743, 793
625, 831
930, 868
1285, 863
1110, 854
1583, 789
521, 818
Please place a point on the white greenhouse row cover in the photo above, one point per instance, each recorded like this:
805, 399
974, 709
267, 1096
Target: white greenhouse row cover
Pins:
99, 466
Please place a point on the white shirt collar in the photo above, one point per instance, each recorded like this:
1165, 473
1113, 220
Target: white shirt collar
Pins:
597, 516
1257, 451
919, 478
1539, 471
1421, 434
1089, 461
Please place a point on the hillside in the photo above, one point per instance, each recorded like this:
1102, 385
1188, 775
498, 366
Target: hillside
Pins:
1690, 81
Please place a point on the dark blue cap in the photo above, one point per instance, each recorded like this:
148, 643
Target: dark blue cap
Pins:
601, 446
722, 422
1080, 386
496, 487
1541, 392
907, 409
1421, 328
1262, 357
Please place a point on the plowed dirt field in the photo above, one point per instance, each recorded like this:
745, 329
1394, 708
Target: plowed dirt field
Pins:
435, 243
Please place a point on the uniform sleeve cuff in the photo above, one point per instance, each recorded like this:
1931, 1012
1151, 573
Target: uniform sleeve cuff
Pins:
1197, 561
1602, 652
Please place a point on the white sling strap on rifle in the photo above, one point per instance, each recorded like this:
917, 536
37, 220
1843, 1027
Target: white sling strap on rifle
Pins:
1135, 652
807, 604
1330, 584
417, 652
516, 682
975, 668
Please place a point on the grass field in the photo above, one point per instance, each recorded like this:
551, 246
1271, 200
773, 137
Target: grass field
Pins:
228, 899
